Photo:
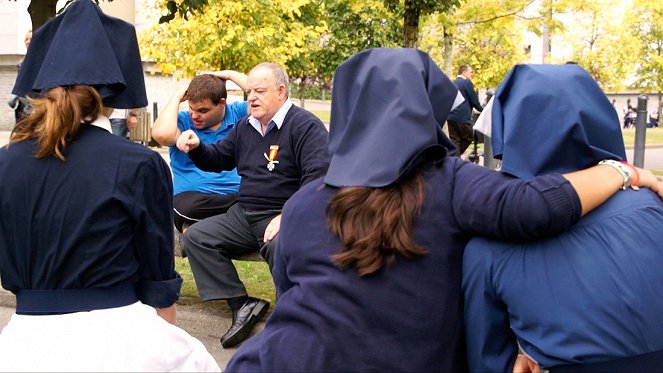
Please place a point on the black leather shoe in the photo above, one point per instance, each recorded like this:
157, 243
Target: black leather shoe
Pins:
244, 319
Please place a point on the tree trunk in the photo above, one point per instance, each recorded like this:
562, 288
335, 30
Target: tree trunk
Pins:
41, 11
448, 54
411, 25
302, 87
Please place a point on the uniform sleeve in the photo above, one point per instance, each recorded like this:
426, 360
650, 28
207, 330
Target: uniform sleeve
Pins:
219, 156
472, 97
312, 151
491, 204
491, 345
280, 272
158, 284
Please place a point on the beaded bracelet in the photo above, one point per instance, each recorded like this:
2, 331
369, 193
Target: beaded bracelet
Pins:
635, 171
623, 170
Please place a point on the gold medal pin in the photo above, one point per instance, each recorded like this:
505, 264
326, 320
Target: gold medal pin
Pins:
271, 158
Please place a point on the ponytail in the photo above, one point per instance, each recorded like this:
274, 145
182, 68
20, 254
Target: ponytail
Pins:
56, 118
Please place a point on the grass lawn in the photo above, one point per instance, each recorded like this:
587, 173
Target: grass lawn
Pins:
323, 115
653, 136
255, 275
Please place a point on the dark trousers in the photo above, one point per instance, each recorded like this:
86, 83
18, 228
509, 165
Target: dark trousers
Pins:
461, 134
191, 207
211, 244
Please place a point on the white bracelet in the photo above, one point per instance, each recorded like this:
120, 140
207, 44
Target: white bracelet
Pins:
624, 170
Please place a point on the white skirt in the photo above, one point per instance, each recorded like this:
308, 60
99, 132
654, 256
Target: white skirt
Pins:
131, 338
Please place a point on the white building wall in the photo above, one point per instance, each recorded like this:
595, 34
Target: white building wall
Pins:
15, 22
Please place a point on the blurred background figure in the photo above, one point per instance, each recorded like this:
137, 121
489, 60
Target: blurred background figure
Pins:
21, 105
123, 120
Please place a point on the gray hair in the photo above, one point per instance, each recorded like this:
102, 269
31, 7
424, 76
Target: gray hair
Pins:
280, 76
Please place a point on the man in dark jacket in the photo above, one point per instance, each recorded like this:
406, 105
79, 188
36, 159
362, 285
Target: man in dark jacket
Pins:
276, 149
460, 119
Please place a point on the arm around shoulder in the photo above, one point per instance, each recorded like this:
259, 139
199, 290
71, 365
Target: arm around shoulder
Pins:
597, 184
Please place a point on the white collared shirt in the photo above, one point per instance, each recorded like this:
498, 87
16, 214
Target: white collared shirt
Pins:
102, 122
278, 118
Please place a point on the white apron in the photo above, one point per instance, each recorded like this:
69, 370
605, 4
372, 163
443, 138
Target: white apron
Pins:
130, 338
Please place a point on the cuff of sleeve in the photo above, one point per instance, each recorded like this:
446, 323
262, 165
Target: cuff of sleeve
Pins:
159, 294
562, 199
197, 153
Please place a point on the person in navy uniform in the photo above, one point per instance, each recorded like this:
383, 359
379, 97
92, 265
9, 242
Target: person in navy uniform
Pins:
368, 264
86, 240
591, 298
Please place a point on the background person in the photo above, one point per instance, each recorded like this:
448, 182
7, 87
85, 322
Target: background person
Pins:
21, 105
276, 150
85, 230
200, 194
460, 118
369, 258
592, 294
122, 120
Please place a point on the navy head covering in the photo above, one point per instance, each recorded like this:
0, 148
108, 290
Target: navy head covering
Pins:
85, 46
387, 109
553, 118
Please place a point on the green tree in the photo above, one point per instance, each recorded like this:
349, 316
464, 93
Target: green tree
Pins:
487, 34
412, 11
601, 43
230, 35
42, 10
647, 25
352, 28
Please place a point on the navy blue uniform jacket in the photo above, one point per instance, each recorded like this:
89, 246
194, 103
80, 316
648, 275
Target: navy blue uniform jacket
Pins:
102, 218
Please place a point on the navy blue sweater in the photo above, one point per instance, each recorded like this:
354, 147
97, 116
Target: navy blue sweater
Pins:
302, 157
463, 113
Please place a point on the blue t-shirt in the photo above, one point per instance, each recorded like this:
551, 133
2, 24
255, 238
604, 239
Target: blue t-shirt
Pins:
189, 178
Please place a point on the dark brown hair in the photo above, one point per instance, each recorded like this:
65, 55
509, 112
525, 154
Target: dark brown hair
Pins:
375, 224
56, 118
207, 86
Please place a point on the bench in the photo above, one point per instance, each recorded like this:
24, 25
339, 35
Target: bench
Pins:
142, 133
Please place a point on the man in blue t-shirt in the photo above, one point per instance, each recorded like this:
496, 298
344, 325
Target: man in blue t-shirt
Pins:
200, 194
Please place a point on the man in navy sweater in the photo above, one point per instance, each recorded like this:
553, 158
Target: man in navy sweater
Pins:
276, 149
460, 119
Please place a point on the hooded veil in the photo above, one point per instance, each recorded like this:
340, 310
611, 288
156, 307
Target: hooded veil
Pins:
388, 108
553, 118
85, 46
